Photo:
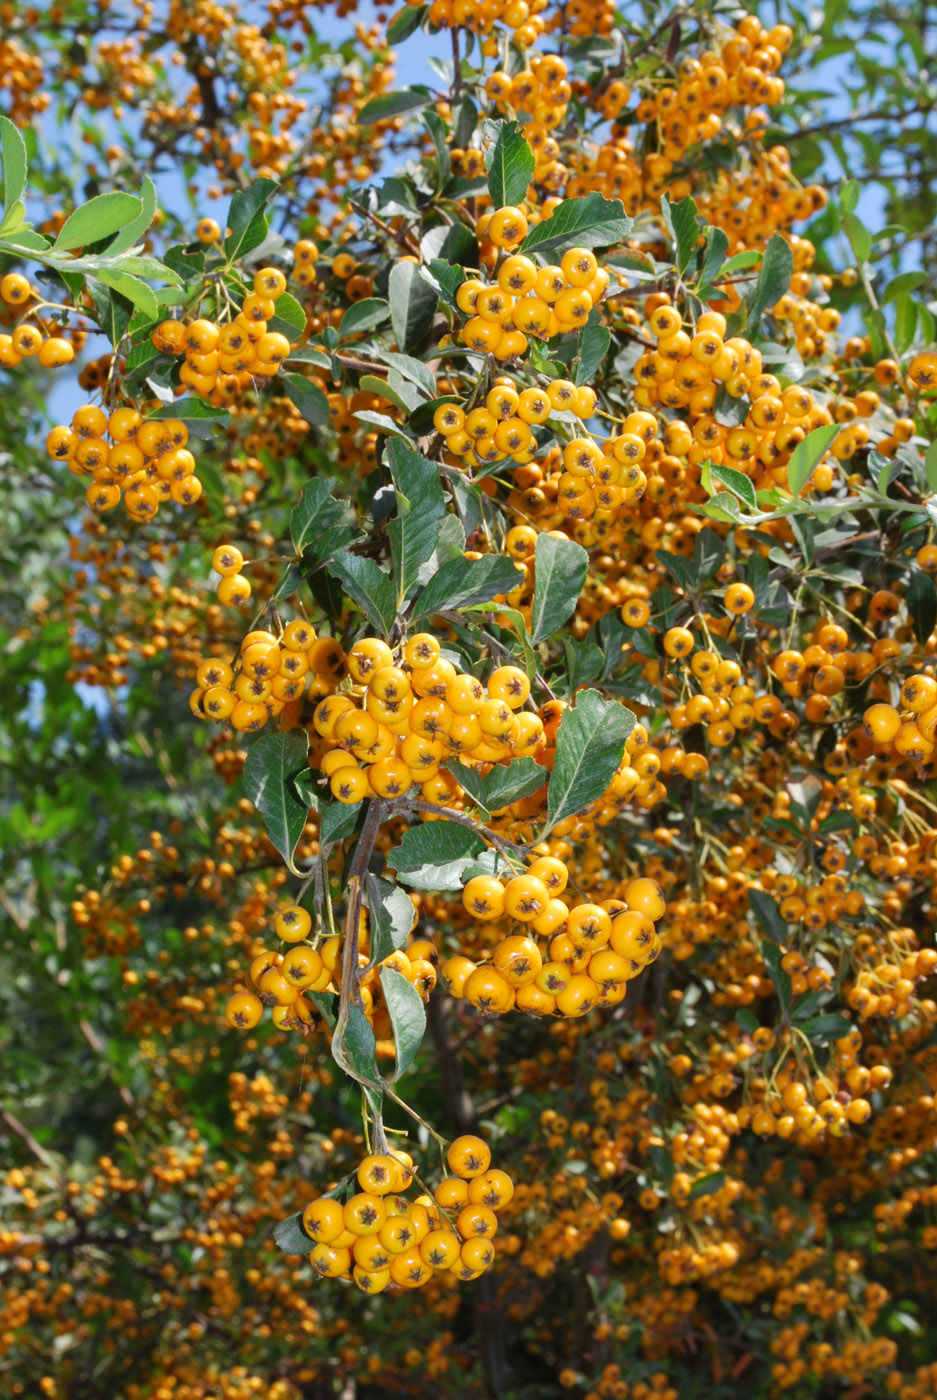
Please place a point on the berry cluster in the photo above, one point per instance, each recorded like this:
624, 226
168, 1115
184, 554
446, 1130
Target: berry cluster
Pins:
271, 672
142, 461
503, 425
222, 360
590, 953
379, 1238
525, 300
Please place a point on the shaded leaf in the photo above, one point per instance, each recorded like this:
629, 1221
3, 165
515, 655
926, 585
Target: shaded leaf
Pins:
510, 164
592, 222
407, 1017
412, 304
590, 743
560, 567
308, 398
463, 583
273, 761
390, 917
367, 586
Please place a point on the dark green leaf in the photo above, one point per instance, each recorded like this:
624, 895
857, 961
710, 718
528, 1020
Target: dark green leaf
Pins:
592, 222
683, 225
404, 22
392, 104
560, 568
316, 514
338, 820
510, 164
737, 482
354, 1050
594, 340
363, 315
247, 220
407, 1016
192, 410
774, 278
771, 953
922, 604
290, 1236
288, 319
807, 454
273, 761
464, 582
433, 855
412, 304
902, 284
590, 743
444, 279
766, 911
707, 1185
391, 917
420, 503
367, 586
504, 784
826, 1028
308, 398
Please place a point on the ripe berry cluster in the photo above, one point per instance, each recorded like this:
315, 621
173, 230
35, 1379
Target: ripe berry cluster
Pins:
379, 1238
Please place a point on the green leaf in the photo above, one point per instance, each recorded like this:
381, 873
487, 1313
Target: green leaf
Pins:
392, 104
827, 1028
367, 586
737, 482
464, 582
316, 518
404, 22
739, 262
337, 821
246, 219
391, 917
412, 304
560, 568
192, 410
407, 1016
420, 503
906, 314
132, 233
363, 315
683, 225
594, 340
308, 398
766, 911
807, 454
707, 1185
354, 1051
860, 240
930, 466
902, 284
590, 743
307, 355
97, 219
504, 784
849, 192
137, 292
273, 761
13, 150
510, 164
113, 315
777, 267
771, 953
290, 1236
922, 604
288, 319
444, 279
433, 855
592, 222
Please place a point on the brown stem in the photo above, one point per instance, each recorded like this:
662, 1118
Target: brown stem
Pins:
377, 810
